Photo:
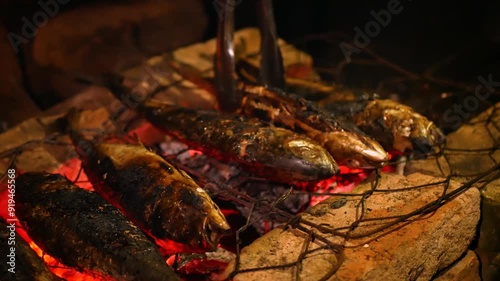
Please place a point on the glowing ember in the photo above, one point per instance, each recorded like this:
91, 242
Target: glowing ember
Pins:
56, 267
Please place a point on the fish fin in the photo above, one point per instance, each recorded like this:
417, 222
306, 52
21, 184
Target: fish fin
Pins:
134, 137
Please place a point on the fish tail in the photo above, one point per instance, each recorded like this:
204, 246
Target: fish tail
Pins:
125, 95
83, 146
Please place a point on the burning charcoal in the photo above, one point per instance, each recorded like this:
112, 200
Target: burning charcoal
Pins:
268, 194
209, 170
202, 263
26, 265
164, 201
225, 176
83, 231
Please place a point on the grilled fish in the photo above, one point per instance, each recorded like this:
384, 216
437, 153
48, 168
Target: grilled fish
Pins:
347, 144
164, 201
81, 230
273, 153
394, 125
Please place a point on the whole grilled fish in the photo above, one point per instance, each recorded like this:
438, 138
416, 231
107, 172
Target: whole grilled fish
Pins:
346, 143
273, 153
81, 230
394, 125
164, 201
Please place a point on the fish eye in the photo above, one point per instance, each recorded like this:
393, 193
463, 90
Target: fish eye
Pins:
166, 167
303, 149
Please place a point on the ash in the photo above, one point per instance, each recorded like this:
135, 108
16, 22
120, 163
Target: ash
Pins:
256, 199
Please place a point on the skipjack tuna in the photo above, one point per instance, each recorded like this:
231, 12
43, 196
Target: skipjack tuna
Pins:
273, 153
394, 125
164, 201
81, 230
347, 144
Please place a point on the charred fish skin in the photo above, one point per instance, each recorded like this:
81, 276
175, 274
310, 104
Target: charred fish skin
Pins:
346, 143
27, 265
164, 201
394, 125
273, 153
82, 230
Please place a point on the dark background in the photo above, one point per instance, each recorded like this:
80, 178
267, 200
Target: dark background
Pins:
460, 39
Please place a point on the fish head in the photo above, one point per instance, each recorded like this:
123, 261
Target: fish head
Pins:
399, 124
309, 157
410, 130
214, 227
355, 150
195, 219
425, 134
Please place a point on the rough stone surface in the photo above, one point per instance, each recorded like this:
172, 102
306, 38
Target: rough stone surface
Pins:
100, 38
198, 58
247, 42
488, 248
490, 227
14, 97
415, 251
466, 269
40, 156
481, 134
